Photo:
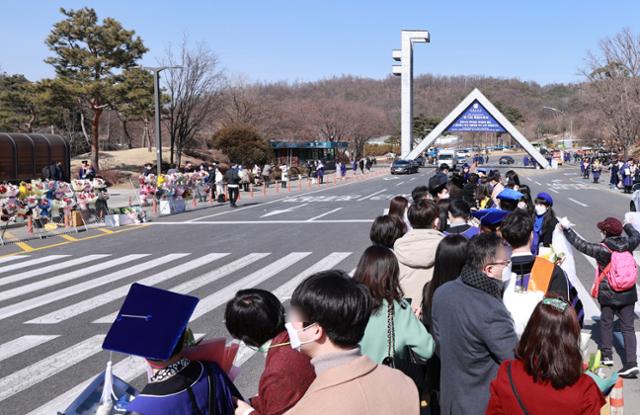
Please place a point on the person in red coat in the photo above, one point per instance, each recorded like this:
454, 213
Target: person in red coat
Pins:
257, 318
546, 376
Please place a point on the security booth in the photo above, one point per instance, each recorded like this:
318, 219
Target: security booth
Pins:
23, 156
296, 153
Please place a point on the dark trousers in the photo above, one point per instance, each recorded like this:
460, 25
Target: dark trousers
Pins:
233, 195
626, 316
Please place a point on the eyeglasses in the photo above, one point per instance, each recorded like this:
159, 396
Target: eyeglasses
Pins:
506, 262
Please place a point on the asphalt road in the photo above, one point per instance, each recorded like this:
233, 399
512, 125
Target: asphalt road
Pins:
56, 303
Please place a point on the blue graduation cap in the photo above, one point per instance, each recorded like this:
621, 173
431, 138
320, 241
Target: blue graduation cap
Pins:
510, 194
150, 323
490, 217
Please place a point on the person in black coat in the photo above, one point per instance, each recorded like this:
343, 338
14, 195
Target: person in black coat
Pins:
612, 302
545, 222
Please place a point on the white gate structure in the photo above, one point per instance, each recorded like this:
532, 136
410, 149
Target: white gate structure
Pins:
474, 114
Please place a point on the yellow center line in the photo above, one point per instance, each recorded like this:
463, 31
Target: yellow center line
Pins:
68, 237
28, 248
25, 247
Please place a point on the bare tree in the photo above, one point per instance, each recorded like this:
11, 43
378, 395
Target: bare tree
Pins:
614, 86
194, 92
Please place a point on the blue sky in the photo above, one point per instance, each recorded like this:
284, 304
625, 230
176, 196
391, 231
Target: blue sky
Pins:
277, 40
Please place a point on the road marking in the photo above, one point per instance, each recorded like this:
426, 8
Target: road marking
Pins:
25, 246
12, 258
538, 183
91, 303
371, 195
22, 344
50, 268
262, 222
577, 202
68, 237
59, 279
401, 183
220, 297
412, 179
324, 214
278, 200
284, 292
199, 282
52, 365
279, 211
52, 296
28, 263
553, 190
104, 230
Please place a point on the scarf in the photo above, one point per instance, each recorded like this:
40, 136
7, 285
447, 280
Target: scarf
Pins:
481, 281
537, 230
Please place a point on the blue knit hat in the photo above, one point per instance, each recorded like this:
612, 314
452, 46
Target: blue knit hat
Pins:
546, 197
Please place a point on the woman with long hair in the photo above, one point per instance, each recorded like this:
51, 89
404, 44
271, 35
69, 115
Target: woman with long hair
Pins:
398, 207
378, 269
546, 375
545, 222
512, 180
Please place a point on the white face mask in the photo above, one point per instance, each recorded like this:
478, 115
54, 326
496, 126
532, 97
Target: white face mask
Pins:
522, 205
294, 338
540, 210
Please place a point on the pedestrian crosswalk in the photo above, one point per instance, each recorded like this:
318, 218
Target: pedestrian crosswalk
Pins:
49, 297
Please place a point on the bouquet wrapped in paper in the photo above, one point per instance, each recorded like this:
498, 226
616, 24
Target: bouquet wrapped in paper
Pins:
218, 350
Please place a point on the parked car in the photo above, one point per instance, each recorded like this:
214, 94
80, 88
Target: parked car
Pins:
404, 167
506, 160
420, 160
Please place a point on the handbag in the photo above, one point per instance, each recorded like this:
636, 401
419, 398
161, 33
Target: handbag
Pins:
413, 367
515, 392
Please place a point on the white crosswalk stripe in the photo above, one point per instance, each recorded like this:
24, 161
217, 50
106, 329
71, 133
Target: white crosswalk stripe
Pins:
201, 281
94, 302
50, 268
28, 263
128, 266
39, 371
6, 259
33, 302
213, 301
22, 344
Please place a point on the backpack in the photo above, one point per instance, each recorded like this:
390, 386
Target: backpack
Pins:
621, 272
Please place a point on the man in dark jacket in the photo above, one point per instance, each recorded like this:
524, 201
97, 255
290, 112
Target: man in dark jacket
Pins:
612, 302
232, 178
473, 328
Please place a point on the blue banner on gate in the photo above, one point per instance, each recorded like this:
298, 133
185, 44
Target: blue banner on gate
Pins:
476, 119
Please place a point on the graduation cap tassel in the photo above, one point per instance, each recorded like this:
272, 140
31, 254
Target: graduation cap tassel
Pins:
106, 401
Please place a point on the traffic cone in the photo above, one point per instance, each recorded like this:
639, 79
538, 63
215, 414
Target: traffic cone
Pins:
210, 196
226, 193
154, 207
251, 191
277, 187
194, 201
289, 186
30, 225
616, 398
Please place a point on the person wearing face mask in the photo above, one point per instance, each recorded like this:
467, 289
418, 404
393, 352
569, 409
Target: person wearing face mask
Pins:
328, 317
459, 215
416, 249
496, 185
473, 329
545, 222
256, 317
612, 302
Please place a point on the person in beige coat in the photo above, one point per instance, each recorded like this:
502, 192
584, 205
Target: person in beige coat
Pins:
328, 316
416, 250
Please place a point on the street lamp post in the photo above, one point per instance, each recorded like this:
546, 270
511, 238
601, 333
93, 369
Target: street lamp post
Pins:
564, 114
156, 92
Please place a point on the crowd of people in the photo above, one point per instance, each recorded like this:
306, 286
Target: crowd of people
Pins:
423, 325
